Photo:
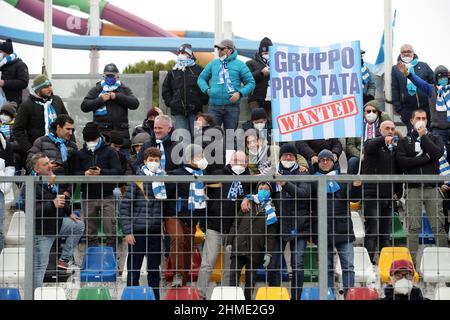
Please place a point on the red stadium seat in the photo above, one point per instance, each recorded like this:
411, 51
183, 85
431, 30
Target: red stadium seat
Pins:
183, 293
361, 294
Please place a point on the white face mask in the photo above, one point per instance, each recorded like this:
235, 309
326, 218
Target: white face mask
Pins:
288, 164
153, 166
202, 164
403, 286
90, 145
407, 60
259, 126
5, 118
238, 169
222, 58
183, 57
419, 124
265, 56
371, 117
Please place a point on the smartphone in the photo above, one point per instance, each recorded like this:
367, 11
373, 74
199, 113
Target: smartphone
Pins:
92, 168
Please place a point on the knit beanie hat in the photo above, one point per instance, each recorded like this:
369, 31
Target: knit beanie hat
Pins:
9, 108
140, 138
152, 113
7, 46
258, 113
41, 81
288, 148
91, 131
325, 153
116, 138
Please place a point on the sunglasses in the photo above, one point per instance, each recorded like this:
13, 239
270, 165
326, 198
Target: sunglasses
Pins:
370, 111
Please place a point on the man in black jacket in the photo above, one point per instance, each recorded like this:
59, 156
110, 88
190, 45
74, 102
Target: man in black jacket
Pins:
14, 73
36, 114
419, 154
260, 122
311, 148
53, 219
259, 67
180, 90
379, 158
98, 159
405, 96
224, 205
109, 102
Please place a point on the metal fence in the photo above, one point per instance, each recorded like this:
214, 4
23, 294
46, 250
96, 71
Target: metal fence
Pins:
320, 198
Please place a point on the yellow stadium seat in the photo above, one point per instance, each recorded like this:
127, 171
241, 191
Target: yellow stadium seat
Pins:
272, 293
216, 274
199, 236
389, 254
355, 206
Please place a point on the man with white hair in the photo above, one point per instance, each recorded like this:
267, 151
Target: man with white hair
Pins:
162, 139
405, 96
224, 205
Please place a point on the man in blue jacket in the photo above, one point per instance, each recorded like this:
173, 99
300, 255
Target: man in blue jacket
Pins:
227, 74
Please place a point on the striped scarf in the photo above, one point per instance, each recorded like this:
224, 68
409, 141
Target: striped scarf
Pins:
412, 89
61, 143
182, 64
365, 75
159, 188
224, 77
197, 199
105, 88
370, 130
266, 203
8, 59
49, 114
163, 153
443, 93
235, 190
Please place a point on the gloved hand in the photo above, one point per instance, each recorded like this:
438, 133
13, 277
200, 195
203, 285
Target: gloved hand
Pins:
228, 248
267, 258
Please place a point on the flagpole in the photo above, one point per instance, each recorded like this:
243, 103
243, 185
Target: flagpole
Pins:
48, 15
388, 57
218, 23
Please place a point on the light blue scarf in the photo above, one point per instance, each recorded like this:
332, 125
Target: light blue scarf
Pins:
182, 64
8, 59
365, 75
61, 143
197, 199
263, 198
443, 99
236, 190
332, 186
105, 88
412, 89
49, 114
159, 188
224, 77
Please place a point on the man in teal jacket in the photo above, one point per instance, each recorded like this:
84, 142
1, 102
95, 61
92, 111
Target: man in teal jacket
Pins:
227, 75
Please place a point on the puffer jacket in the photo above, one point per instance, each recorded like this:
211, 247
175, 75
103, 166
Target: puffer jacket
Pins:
117, 116
139, 213
16, 77
181, 92
239, 73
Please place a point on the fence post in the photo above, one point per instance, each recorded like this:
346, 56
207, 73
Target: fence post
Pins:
323, 234
30, 198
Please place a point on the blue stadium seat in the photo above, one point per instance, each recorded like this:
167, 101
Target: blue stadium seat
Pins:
313, 294
10, 294
138, 293
426, 235
99, 265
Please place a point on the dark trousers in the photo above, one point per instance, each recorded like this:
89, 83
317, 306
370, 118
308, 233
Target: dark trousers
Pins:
378, 217
251, 264
149, 246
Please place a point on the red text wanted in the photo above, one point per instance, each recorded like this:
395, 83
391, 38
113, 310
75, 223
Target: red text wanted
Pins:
317, 115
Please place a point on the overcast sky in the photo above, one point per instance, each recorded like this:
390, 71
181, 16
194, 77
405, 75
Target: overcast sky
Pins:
424, 24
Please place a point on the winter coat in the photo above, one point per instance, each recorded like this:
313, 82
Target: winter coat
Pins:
139, 213
295, 215
48, 217
117, 116
181, 92
239, 73
45, 145
311, 148
16, 77
250, 234
221, 210
169, 145
416, 294
29, 123
212, 138
177, 203
108, 160
261, 81
438, 119
401, 99
378, 160
427, 163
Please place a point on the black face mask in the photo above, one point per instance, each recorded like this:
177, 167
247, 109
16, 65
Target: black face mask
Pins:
151, 123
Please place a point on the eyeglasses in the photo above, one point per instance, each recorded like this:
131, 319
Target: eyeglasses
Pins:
370, 111
406, 51
403, 274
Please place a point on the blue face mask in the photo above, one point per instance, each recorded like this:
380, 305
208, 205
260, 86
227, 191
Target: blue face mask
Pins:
443, 82
110, 81
263, 195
